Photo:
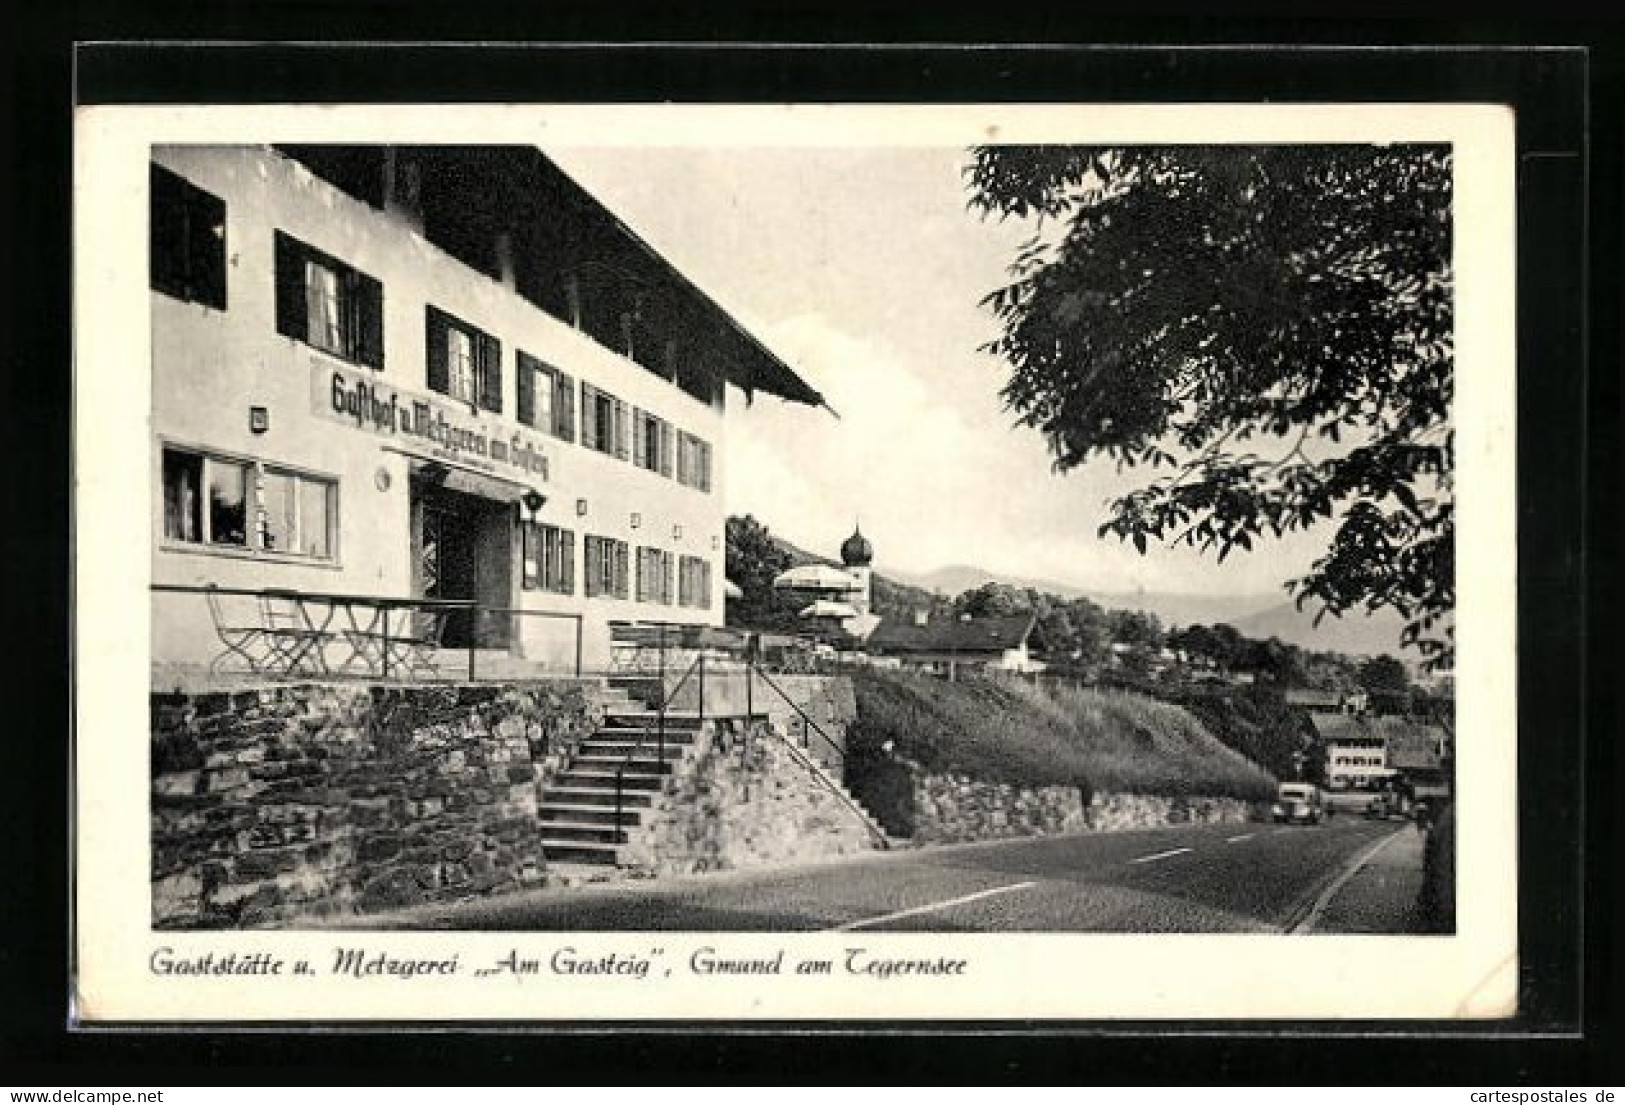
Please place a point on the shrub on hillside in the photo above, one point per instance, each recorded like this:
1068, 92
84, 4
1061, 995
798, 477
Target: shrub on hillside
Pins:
1258, 724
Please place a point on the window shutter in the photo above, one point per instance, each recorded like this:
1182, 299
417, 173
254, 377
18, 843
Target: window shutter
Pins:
640, 445
526, 383
564, 407
589, 416
206, 251
291, 320
435, 337
490, 353
665, 449
567, 550
369, 307
167, 232
620, 569
620, 430
590, 566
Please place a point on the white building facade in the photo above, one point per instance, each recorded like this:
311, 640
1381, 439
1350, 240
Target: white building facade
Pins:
437, 373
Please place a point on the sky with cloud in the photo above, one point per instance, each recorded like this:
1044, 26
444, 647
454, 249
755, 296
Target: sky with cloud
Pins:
862, 269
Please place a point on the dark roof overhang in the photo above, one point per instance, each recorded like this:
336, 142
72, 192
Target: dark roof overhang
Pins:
572, 257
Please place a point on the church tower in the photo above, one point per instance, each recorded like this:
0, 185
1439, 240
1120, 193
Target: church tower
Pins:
856, 555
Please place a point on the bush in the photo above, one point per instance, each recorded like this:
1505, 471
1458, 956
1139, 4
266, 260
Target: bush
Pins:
1258, 724
1437, 903
1006, 731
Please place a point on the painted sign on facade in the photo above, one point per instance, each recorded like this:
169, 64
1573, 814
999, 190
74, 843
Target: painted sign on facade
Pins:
432, 425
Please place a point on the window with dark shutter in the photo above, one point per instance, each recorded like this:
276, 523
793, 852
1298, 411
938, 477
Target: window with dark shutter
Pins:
187, 239
640, 438
290, 288
589, 415
463, 361
525, 383
434, 337
564, 407
594, 557
604, 423
490, 373
369, 311
328, 304
621, 430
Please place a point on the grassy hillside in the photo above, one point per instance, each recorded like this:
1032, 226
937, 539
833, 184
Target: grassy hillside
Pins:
1007, 732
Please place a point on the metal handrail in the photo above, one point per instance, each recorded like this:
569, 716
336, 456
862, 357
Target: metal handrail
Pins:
807, 760
384, 604
620, 777
808, 724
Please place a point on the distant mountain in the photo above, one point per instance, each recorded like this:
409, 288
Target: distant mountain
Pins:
1169, 607
1355, 634
960, 578
1258, 615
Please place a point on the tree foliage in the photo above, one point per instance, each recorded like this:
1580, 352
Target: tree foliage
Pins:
1267, 331
1384, 675
754, 559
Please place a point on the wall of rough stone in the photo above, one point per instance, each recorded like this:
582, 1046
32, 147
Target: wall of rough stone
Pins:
956, 808
309, 800
744, 799
1148, 811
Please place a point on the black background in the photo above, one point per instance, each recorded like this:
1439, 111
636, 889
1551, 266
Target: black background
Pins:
1569, 236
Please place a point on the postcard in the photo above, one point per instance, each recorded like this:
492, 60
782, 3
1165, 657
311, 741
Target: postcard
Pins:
646, 563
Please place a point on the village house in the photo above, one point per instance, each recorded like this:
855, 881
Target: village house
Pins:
1356, 752
953, 646
433, 373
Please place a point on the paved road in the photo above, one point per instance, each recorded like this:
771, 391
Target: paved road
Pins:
1198, 878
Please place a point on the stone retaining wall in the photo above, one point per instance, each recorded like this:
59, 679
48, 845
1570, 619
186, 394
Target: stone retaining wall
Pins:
956, 808
311, 800
1148, 811
744, 800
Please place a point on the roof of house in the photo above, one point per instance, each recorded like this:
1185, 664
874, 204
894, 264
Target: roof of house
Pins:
1411, 746
1333, 727
1305, 697
992, 635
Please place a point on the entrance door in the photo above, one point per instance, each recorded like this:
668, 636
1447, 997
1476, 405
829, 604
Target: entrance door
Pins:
465, 552
447, 566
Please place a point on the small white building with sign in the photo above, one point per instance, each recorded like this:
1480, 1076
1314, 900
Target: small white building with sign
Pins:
437, 373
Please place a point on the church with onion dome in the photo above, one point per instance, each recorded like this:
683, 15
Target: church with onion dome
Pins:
840, 600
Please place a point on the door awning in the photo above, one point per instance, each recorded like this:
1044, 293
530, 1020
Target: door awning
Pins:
464, 479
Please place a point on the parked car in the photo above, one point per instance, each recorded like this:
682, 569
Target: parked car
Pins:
1298, 803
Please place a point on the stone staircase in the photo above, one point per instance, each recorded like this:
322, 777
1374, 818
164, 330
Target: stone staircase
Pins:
577, 807
581, 831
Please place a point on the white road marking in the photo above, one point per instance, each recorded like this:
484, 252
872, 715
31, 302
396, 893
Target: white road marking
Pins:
932, 907
1161, 855
1239, 839
1307, 925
